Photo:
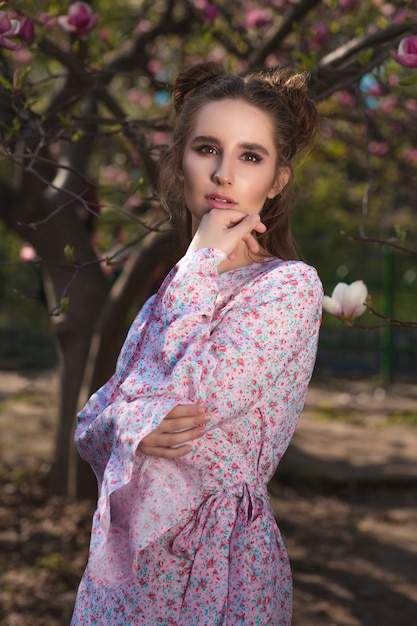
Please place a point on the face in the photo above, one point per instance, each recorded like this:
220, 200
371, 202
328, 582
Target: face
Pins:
230, 160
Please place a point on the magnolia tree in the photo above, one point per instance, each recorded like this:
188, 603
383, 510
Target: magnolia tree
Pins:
84, 97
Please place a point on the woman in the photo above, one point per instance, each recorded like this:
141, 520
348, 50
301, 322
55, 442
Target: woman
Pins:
212, 377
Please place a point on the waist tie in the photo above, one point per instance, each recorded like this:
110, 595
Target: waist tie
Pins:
218, 541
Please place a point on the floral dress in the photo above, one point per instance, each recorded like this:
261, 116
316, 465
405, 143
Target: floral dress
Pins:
193, 541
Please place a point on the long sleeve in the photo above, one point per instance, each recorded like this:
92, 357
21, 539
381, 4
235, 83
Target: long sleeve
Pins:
226, 360
94, 433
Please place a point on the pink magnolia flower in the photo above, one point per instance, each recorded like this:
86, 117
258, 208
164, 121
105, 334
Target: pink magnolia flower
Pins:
139, 98
27, 253
114, 174
155, 67
23, 56
407, 52
26, 30
47, 21
411, 105
388, 104
402, 16
345, 98
411, 155
144, 26
319, 34
393, 80
347, 301
80, 19
9, 28
348, 4
160, 138
388, 9
379, 148
211, 12
374, 90
256, 18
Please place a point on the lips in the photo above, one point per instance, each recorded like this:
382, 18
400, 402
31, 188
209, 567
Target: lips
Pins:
217, 201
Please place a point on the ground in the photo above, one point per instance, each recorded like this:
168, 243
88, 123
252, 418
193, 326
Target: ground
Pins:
344, 498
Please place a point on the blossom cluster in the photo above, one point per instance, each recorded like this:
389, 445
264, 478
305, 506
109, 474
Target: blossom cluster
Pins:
16, 29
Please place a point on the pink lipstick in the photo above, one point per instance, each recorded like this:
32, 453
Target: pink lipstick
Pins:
218, 201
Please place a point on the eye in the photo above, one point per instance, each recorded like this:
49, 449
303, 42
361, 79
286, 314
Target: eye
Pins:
205, 149
251, 157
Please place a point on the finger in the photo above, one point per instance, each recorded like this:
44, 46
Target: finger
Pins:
157, 438
177, 424
184, 410
175, 439
225, 216
246, 226
251, 243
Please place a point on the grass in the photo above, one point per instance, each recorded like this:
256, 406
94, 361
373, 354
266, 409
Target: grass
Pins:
328, 413
409, 418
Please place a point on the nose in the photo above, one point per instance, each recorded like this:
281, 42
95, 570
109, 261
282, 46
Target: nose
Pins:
223, 174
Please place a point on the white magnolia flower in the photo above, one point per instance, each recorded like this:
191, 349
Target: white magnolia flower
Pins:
347, 301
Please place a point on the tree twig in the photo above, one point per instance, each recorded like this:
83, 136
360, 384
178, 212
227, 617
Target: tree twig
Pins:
382, 242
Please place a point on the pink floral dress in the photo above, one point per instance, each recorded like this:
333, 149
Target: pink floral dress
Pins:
193, 541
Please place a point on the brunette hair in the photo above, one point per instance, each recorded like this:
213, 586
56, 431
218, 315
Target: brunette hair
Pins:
280, 93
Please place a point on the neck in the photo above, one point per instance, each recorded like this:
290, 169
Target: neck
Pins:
241, 259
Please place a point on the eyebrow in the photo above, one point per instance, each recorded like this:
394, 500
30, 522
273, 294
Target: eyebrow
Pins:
252, 147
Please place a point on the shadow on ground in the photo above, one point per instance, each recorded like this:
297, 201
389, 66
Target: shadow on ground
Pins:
349, 521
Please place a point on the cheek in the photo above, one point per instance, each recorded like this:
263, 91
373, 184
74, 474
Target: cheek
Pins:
193, 178
188, 171
258, 188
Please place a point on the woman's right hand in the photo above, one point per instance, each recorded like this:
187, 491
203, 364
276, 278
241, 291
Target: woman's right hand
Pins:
226, 229
170, 440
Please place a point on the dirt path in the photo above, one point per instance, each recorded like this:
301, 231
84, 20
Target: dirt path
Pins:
345, 500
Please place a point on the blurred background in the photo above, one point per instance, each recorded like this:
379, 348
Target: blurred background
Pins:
84, 115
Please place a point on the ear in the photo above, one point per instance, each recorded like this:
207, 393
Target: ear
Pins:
282, 178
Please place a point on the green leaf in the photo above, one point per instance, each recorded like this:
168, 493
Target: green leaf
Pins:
365, 56
401, 232
6, 83
79, 134
69, 253
63, 305
409, 81
23, 76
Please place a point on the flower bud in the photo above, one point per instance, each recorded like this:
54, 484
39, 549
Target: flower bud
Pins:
347, 301
407, 52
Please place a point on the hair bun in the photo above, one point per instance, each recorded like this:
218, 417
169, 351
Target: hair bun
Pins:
294, 88
193, 77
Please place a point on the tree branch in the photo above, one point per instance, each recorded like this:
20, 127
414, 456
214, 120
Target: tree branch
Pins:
295, 14
382, 242
338, 70
354, 46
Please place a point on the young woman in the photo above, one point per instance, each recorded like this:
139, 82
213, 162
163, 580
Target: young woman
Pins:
212, 377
